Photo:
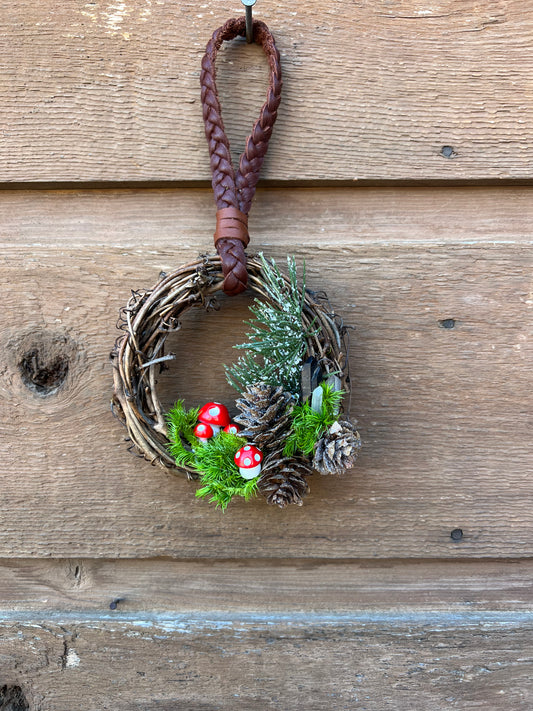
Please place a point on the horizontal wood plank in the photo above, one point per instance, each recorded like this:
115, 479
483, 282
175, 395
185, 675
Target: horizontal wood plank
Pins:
168, 219
107, 91
267, 586
443, 411
309, 662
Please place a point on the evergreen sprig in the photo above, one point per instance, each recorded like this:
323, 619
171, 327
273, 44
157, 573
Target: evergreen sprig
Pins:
276, 343
180, 426
308, 426
219, 474
214, 460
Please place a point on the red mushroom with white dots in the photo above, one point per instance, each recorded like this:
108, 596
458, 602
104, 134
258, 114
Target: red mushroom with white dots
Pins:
248, 459
203, 432
232, 428
215, 415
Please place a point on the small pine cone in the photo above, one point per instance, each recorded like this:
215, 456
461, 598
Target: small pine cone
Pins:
265, 416
283, 480
337, 450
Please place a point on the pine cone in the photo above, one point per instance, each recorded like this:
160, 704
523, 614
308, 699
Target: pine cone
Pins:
283, 481
337, 450
265, 416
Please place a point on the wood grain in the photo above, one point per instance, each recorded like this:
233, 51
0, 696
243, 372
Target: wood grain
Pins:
108, 91
361, 599
443, 412
88, 586
251, 663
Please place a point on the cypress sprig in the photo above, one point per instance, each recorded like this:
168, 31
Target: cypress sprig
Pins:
276, 344
308, 426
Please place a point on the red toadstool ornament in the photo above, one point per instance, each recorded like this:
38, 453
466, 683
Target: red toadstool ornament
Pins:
248, 459
203, 432
215, 415
232, 428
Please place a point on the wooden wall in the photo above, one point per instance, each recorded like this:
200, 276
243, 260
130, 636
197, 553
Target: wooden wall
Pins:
400, 169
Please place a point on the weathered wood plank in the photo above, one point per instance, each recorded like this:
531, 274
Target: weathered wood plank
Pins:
109, 91
443, 412
325, 218
311, 662
269, 586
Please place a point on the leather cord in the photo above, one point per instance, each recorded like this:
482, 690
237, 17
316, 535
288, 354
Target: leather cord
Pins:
234, 191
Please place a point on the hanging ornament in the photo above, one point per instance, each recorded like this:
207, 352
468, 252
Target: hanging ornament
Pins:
248, 459
292, 375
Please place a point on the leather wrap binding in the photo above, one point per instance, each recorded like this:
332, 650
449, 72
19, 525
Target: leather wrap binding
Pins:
234, 191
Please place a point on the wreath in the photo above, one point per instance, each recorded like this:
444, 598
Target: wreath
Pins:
292, 377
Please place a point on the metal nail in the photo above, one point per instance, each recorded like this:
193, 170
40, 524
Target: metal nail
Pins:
248, 4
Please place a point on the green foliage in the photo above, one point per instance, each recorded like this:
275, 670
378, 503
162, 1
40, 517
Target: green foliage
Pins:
180, 423
219, 475
276, 343
214, 460
308, 426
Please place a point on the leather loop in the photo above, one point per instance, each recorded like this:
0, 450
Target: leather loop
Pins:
236, 190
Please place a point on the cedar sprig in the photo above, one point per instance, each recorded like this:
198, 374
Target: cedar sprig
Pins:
276, 343
308, 426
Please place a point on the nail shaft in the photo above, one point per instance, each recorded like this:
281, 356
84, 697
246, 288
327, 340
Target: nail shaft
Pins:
249, 25
248, 4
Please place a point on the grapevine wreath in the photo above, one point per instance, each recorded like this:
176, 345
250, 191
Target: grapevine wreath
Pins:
292, 376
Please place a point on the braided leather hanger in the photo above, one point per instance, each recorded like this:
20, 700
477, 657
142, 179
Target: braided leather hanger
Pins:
234, 191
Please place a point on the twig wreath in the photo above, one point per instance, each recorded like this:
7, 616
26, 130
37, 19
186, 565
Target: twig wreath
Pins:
292, 378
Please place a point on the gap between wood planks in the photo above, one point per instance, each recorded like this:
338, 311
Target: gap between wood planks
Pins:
271, 184
244, 621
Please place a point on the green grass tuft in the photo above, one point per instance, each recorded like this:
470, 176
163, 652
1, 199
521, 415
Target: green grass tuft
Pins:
180, 425
219, 475
214, 460
308, 426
